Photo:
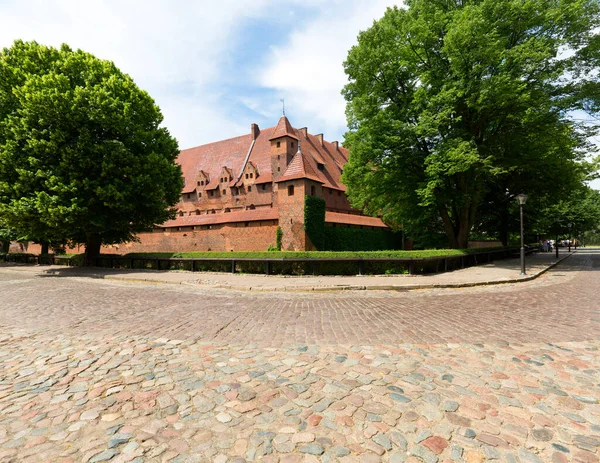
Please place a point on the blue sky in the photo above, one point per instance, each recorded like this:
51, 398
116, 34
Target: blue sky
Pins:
214, 67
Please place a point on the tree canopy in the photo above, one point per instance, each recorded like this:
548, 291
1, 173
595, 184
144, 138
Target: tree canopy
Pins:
83, 158
455, 107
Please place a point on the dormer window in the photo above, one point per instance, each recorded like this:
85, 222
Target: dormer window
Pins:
321, 166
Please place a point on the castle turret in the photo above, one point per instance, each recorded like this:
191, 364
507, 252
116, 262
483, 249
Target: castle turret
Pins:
284, 144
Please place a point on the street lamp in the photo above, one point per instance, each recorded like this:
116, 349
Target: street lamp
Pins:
522, 199
569, 225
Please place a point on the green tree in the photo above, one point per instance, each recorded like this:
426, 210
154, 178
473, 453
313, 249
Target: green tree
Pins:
581, 209
82, 155
455, 105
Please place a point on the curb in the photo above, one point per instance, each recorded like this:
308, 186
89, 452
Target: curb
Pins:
326, 289
398, 288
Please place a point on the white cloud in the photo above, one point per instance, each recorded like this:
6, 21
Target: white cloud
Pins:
172, 49
308, 68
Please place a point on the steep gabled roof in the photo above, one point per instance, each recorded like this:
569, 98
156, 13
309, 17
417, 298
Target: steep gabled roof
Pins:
300, 167
234, 153
283, 129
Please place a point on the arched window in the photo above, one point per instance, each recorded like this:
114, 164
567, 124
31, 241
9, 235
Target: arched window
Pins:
291, 190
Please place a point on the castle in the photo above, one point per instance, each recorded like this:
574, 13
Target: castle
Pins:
238, 191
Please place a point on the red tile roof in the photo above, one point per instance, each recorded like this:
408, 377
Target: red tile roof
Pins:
283, 129
351, 219
233, 154
223, 217
299, 168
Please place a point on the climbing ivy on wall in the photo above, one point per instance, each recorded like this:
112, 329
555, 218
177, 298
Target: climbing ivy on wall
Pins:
343, 239
314, 221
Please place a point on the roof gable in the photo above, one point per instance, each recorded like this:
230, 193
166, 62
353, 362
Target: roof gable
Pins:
283, 129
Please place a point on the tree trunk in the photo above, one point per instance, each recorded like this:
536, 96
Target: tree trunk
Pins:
44, 247
458, 234
93, 243
5, 245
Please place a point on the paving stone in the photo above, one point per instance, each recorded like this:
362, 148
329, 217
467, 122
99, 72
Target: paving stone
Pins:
104, 456
312, 449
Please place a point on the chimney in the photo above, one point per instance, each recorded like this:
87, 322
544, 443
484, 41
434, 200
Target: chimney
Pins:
254, 130
336, 144
320, 138
304, 131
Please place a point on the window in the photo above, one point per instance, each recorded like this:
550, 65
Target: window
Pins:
292, 145
278, 157
197, 212
249, 188
339, 193
291, 190
224, 192
264, 187
198, 183
202, 183
321, 166
278, 145
227, 209
330, 192
181, 214
246, 175
212, 212
251, 175
199, 194
211, 193
313, 191
279, 169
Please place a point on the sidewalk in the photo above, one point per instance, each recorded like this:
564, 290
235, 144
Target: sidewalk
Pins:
502, 271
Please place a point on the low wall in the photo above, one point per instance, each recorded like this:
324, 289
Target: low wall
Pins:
484, 244
243, 236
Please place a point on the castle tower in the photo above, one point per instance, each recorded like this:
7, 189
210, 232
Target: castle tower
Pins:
284, 144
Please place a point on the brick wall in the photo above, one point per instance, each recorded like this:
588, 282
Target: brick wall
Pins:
255, 236
291, 216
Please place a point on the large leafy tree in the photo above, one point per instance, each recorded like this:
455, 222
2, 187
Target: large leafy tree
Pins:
82, 155
456, 105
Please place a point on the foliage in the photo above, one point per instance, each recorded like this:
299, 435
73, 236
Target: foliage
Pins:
82, 156
455, 107
356, 239
343, 239
581, 209
314, 221
278, 238
311, 254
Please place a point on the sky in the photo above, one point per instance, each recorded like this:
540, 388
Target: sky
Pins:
214, 67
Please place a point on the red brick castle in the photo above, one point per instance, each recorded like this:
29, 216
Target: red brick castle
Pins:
238, 191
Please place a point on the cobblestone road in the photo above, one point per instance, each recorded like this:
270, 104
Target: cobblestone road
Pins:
97, 371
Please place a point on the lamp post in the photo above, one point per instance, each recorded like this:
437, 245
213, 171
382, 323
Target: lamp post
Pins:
522, 199
569, 225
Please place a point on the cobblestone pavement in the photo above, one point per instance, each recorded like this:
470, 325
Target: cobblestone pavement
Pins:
94, 371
